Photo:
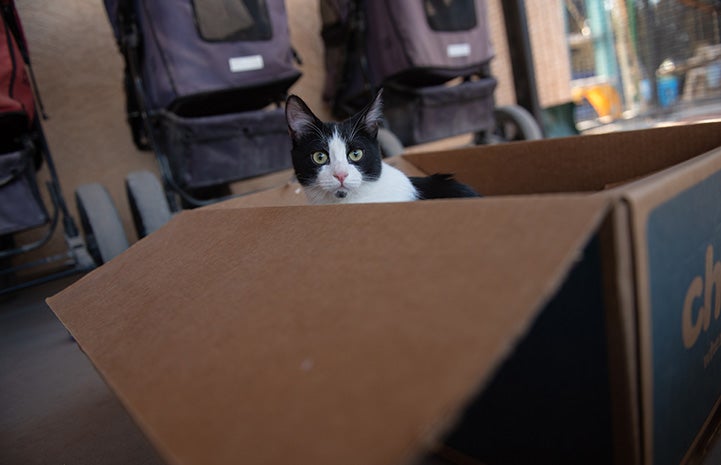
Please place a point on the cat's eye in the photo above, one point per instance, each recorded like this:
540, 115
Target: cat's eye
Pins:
355, 155
320, 158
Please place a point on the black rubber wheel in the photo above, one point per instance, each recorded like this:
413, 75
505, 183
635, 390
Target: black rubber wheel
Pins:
148, 203
389, 143
513, 123
103, 230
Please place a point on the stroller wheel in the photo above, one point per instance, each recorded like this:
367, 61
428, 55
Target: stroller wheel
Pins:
102, 227
389, 143
513, 123
147, 202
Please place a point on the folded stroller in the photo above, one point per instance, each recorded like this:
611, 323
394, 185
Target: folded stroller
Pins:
23, 149
432, 57
204, 83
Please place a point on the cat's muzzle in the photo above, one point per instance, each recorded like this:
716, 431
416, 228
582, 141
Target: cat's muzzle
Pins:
341, 194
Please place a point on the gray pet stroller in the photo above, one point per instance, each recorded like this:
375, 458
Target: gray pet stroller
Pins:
204, 83
431, 57
26, 225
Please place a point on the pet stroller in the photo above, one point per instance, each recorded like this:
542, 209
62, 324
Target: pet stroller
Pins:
25, 224
204, 82
432, 59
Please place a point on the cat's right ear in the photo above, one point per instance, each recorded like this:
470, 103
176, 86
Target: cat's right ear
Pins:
300, 119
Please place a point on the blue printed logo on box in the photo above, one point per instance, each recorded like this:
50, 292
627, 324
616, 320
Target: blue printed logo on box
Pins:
684, 266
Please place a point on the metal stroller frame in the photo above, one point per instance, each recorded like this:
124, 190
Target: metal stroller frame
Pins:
103, 236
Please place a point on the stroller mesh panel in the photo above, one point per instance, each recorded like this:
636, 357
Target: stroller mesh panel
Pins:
218, 149
450, 15
21, 207
231, 20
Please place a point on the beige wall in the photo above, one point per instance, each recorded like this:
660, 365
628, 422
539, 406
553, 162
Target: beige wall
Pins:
305, 25
550, 51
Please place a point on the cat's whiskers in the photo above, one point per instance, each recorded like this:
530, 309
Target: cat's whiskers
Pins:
354, 130
318, 195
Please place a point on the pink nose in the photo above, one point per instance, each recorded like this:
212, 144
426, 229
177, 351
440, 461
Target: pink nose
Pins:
340, 176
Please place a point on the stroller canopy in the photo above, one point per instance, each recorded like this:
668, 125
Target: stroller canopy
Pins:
193, 48
448, 38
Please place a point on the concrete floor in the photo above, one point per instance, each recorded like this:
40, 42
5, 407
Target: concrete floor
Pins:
55, 406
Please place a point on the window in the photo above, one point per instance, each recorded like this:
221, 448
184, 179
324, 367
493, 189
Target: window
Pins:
450, 15
233, 20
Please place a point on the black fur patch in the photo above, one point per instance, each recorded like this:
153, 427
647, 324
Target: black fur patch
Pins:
441, 186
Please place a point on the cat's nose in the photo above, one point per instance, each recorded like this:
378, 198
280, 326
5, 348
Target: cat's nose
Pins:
340, 176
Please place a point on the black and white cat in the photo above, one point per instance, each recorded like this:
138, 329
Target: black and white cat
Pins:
342, 162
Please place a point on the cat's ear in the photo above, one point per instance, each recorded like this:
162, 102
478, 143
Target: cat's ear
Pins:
372, 115
300, 119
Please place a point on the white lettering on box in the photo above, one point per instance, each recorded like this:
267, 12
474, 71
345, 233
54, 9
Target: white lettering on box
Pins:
691, 328
249, 63
459, 50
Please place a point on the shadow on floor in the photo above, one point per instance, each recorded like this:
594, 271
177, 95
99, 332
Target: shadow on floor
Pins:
55, 406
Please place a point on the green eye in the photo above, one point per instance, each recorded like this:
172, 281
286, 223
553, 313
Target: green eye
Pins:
355, 155
320, 158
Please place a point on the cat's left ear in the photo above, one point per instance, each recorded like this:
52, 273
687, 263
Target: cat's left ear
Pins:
373, 114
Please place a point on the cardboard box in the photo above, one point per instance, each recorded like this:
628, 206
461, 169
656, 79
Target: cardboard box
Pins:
571, 316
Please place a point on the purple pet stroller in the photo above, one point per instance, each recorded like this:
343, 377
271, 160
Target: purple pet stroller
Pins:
432, 59
204, 82
27, 224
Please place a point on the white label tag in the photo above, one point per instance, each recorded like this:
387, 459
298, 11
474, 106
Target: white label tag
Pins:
459, 50
249, 63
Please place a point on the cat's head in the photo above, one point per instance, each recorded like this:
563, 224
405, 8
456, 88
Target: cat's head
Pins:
334, 161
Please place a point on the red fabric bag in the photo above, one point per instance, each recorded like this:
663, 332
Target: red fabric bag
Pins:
16, 93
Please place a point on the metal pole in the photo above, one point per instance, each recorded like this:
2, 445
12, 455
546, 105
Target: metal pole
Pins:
519, 47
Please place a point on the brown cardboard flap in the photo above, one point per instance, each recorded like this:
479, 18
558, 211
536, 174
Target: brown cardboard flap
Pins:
573, 164
320, 335
404, 165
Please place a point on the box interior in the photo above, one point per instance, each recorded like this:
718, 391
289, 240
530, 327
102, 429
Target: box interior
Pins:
550, 401
573, 164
